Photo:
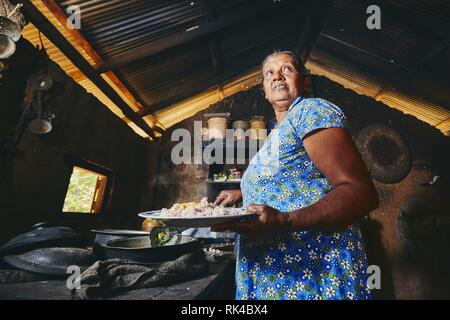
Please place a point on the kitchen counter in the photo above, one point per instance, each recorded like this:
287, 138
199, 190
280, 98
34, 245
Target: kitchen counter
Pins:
217, 284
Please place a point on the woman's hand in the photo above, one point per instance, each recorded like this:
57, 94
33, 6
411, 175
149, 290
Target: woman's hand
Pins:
228, 198
269, 222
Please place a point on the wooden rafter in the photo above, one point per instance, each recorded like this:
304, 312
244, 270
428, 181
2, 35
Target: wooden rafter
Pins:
214, 45
312, 26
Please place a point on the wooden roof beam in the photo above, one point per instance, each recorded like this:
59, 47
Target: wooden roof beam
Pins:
312, 25
214, 45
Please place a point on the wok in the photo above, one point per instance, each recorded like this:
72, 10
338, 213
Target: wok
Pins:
140, 249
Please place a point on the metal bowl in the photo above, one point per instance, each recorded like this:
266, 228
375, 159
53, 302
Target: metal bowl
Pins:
102, 236
9, 28
140, 249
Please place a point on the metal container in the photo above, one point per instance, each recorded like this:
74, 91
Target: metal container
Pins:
7, 47
9, 28
258, 128
240, 127
217, 127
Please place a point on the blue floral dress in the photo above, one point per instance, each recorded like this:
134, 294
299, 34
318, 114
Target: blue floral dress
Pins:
305, 264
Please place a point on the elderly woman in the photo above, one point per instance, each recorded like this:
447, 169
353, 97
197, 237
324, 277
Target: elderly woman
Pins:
308, 196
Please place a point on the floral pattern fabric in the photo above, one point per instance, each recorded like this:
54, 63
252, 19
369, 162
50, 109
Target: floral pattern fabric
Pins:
302, 265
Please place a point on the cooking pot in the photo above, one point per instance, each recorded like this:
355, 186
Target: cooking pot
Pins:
104, 235
140, 249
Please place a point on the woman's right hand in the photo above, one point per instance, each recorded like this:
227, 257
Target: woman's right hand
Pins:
228, 198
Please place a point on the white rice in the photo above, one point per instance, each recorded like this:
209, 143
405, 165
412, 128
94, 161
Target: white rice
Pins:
201, 209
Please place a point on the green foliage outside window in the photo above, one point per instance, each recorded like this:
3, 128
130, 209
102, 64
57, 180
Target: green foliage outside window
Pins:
81, 192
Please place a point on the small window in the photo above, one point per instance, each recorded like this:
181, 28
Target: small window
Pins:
86, 191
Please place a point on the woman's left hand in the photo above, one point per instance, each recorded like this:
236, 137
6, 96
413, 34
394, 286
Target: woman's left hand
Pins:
269, 222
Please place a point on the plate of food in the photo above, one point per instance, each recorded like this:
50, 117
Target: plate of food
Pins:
197, 214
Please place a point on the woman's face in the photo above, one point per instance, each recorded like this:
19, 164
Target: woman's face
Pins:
282, 83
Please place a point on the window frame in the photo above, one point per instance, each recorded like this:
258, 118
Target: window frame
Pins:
73, 161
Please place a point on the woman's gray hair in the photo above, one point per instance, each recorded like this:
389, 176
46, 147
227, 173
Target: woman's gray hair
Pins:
300, 66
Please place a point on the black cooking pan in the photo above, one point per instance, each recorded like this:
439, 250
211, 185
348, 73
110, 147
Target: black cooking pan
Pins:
52, 261
140, 249
43, 236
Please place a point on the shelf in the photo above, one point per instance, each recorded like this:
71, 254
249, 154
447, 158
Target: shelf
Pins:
246, 143
224, 182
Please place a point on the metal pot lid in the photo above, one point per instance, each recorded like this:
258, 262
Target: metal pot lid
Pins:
52, 261
43, 237
9, 28
118, 232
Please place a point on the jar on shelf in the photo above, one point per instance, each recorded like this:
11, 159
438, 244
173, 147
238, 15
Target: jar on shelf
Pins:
258, 128
240, 127
217, 125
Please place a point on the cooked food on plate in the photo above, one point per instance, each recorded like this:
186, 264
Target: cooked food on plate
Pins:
199, 209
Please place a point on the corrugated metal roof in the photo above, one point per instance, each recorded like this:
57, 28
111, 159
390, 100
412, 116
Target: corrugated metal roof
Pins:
117, 26
405, 65
350, 77
395, 48
156, 80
